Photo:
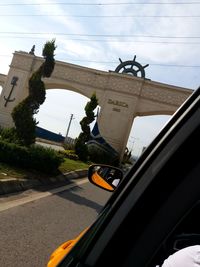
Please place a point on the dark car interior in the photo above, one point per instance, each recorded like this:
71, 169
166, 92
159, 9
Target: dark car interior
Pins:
185, 234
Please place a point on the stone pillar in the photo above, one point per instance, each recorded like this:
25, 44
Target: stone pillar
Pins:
15, 88
116, 118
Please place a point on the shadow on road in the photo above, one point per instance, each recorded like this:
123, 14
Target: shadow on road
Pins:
72, 195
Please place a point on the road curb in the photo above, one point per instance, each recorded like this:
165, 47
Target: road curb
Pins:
12, 185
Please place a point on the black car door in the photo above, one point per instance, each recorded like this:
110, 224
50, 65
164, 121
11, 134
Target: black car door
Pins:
151, 202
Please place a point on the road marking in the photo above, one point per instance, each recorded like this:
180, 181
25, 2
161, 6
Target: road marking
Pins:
39, 195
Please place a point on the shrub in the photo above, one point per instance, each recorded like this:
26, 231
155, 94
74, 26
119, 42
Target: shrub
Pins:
70, 146
23, 113
24, 122
70, 154
35, 157
84, 136
45, 159
100, 156
9, 135
81, 148
13, 154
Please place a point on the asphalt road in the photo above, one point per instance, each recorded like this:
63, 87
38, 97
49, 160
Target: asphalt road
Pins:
30, 231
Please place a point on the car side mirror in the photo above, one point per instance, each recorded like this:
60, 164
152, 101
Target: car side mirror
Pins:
105, 176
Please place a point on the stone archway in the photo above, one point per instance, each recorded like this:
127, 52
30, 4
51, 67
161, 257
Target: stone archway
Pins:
121, 97
55, 113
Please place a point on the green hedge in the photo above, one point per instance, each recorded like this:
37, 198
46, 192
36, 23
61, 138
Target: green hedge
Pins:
70, 154
9, 135
35, 157
100, 156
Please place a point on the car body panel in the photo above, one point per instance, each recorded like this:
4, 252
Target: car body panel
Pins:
63, 250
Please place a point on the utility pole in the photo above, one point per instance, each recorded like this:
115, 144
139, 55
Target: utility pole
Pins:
71, 118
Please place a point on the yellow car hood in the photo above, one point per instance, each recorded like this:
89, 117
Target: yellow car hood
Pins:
62, 250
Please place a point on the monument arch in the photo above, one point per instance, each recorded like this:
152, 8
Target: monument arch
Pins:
122, 97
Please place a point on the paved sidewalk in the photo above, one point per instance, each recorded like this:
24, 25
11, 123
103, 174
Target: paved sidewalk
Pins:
12, 185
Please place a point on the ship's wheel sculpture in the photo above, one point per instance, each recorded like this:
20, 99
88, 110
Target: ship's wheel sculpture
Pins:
131, 67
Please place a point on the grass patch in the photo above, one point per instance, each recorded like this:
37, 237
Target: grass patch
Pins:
7, 171
72, 165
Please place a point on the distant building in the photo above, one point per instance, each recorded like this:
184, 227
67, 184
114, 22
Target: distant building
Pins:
48, 135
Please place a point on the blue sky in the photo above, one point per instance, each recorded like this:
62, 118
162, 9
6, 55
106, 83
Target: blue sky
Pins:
96, 34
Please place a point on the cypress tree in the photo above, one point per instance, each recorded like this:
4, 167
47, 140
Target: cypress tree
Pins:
81, 146
23, 113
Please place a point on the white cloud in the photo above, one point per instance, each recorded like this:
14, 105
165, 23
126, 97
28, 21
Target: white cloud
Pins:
78, 50
68, 24
5, 57
154, 52
108, 51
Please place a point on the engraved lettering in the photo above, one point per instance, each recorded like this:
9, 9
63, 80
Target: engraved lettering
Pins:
118, 103
117, 109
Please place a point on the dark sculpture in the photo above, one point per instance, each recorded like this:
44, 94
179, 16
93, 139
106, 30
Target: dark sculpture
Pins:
13, 83
131, 67
32, 52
